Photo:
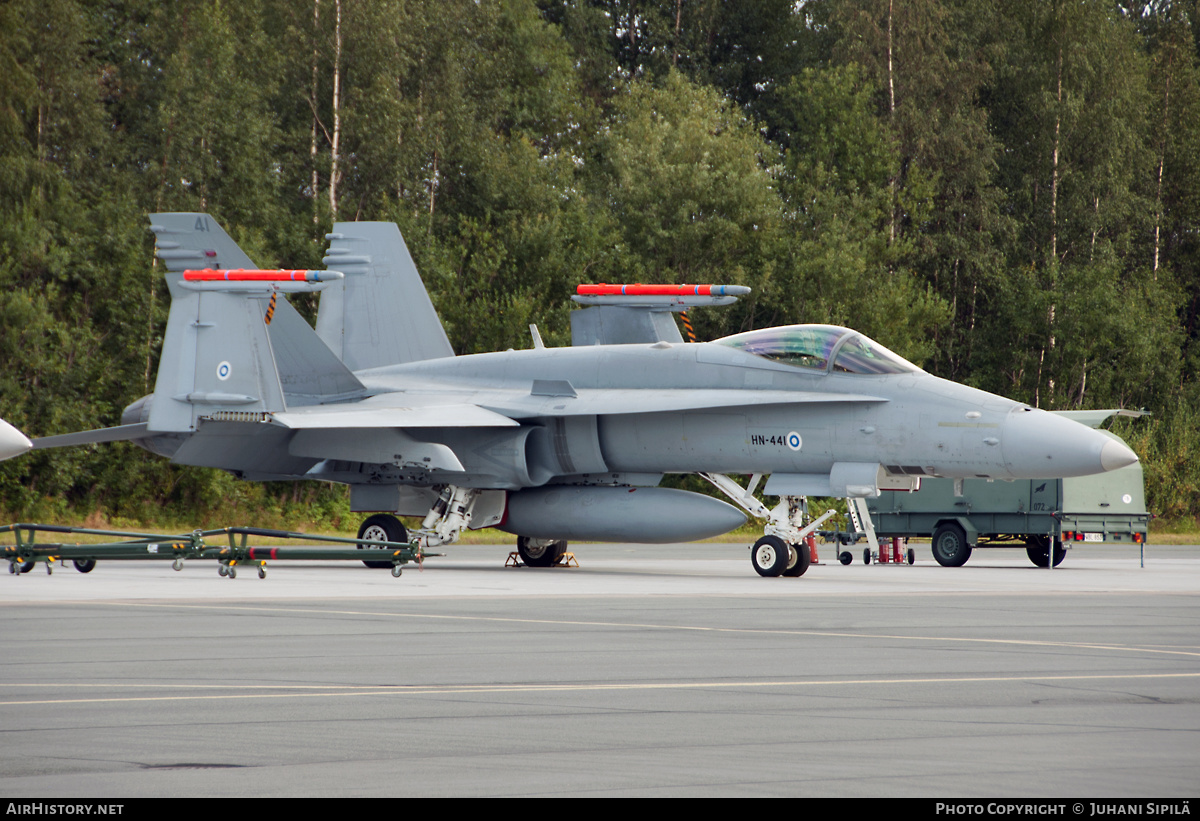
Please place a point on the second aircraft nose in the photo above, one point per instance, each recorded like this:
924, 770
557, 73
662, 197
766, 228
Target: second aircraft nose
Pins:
1041, 445
1115, 455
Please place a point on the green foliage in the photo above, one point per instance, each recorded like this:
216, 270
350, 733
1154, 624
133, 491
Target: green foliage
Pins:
685, 180
845, 265
1169, 447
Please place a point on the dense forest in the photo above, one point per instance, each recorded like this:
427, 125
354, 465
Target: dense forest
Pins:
1007, 194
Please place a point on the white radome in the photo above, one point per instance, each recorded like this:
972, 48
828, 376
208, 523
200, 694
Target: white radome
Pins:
12, 441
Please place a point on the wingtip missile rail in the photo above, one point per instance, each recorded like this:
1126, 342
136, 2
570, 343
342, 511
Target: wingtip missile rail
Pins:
178, 548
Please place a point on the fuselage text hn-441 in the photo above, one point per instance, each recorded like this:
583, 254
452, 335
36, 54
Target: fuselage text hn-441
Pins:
550, 444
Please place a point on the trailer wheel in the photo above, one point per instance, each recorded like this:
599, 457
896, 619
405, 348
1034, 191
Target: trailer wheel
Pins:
950, 546
84, 565
866, 555
845, 557
1038, 551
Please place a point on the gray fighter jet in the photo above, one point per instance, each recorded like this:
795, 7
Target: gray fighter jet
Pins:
550, 444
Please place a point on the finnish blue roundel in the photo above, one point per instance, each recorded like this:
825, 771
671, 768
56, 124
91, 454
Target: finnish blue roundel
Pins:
794, 441
223, 371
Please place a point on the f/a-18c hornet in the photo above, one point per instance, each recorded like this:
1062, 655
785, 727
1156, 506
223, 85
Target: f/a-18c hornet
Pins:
550, 444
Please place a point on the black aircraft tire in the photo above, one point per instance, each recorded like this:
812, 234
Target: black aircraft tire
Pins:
383, 527
1038, 551
769, 556
84, 565
800, 564
540, 555
950, 547
26, 566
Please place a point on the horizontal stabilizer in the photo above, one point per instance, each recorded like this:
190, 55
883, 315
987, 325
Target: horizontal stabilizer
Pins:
121, 433
592, 402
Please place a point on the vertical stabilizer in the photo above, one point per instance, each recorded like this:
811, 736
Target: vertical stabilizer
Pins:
191, 240
220, 348
187, 240
380, 314
216, 357
216, 353
264, 364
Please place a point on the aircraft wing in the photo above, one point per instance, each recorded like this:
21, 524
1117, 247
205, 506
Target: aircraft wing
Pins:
375, 433
599, 402
1096, 418
458, 415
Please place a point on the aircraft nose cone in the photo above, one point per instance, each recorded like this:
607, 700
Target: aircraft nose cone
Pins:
12, 441
1042, 445
1114, 455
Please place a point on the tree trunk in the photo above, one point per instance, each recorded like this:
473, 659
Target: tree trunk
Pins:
337, 112
891, 118
312, 145
675, 47
1162, 160
1054, 161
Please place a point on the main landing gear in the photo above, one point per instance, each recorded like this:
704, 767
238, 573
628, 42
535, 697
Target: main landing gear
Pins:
540, 552
382, 527
442, 525
450, 515
783, 550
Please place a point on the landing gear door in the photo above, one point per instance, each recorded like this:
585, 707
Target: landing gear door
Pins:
488, 510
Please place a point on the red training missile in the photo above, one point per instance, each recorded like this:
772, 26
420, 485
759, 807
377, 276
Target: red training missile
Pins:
661, 290
247, 275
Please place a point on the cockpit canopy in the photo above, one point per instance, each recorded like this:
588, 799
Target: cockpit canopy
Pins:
814, 347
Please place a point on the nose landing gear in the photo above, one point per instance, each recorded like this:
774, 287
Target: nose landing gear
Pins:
783, 550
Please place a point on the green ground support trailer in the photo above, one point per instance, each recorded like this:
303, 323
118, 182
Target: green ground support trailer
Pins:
1108, 508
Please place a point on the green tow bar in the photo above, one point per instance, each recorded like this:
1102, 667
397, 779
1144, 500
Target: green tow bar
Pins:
23, 556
